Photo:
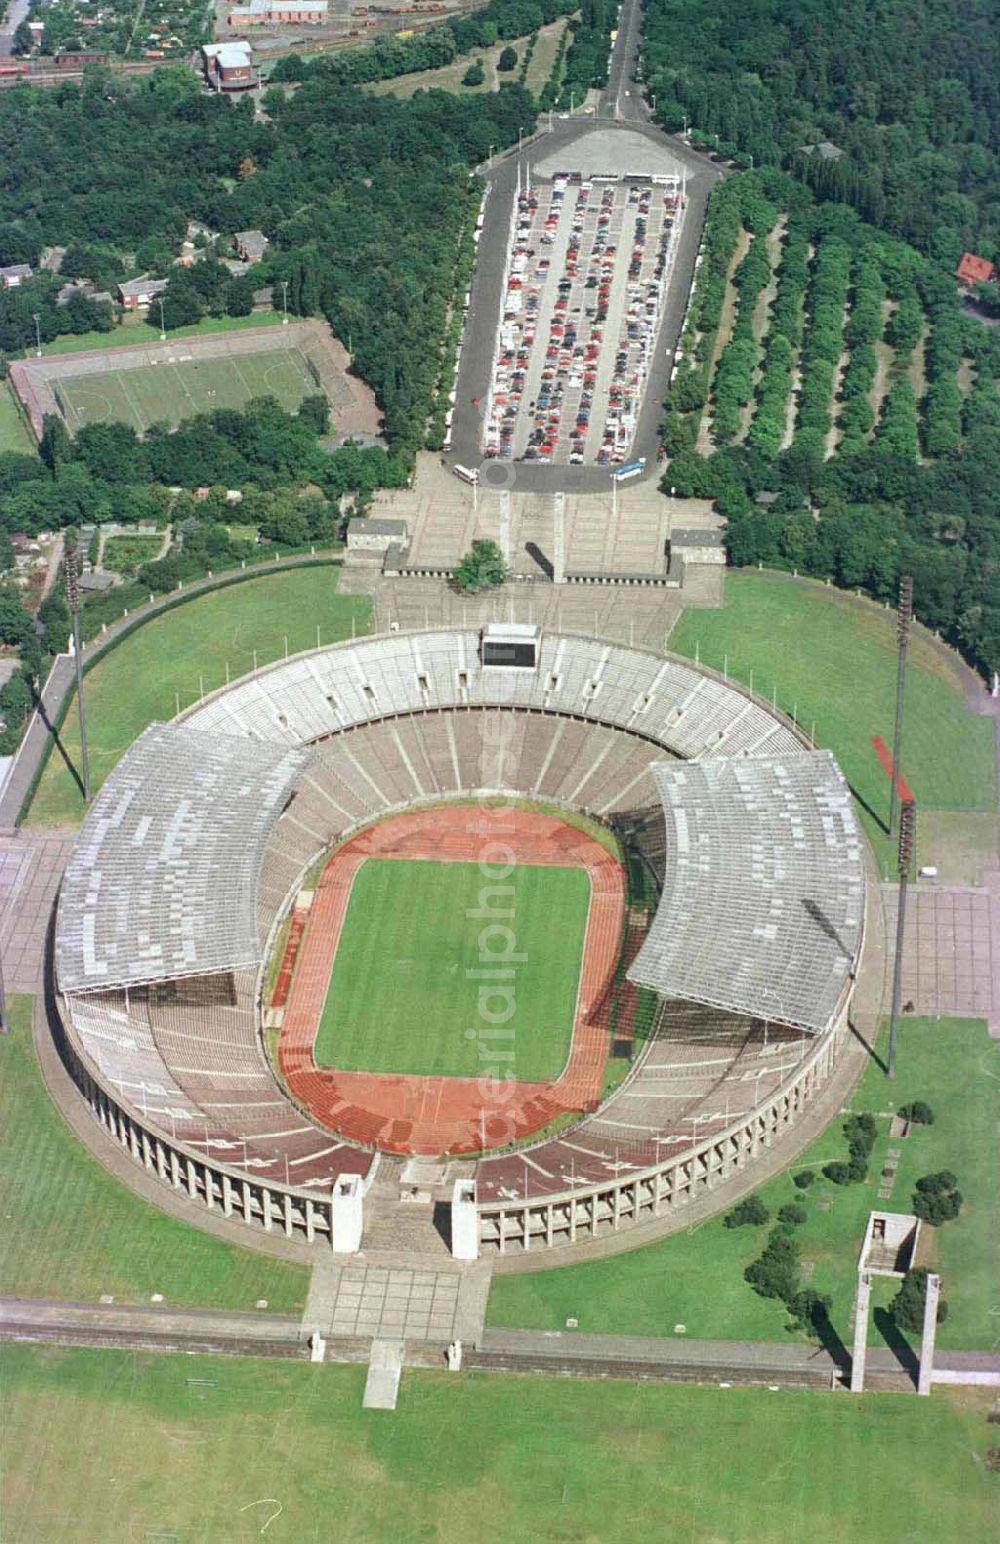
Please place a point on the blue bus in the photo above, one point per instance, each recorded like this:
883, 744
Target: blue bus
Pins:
630, 469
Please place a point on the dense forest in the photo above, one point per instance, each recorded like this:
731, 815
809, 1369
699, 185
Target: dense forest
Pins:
907, 96
364, 198
816, 466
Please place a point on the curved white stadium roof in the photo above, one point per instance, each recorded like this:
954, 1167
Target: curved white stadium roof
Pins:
763, 898
162, 881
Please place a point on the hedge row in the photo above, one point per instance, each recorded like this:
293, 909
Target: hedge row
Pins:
783, 338
942, 404
733, 386
863, 330
824, 339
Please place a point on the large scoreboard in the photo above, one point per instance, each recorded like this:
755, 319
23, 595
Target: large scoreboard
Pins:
510, 645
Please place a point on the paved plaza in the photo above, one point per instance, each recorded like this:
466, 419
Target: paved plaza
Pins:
364, 1300
640, 617
608, 535
951, 960
31, 868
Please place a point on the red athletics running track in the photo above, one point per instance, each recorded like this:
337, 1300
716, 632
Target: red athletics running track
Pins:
437, 1115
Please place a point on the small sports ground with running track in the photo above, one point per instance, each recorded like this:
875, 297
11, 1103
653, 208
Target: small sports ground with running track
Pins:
174, 389
178, 378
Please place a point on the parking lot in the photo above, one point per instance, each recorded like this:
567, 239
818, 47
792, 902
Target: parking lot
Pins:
588, 267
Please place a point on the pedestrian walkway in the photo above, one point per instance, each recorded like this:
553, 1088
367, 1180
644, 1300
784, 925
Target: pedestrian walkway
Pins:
31, 870
361, 1299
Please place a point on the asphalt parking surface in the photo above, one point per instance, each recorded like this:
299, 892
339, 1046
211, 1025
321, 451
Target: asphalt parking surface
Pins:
588, 269
619, 137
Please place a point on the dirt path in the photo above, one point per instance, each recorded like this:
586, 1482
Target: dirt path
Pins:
704, 445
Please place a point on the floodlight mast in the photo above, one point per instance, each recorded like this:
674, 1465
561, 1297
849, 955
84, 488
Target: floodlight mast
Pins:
907, 834
73, 596
904, 621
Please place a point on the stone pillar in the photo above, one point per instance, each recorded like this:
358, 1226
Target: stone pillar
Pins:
559, 539
929, 1335
346, 1214
860, 1333
464, 1221
504, 542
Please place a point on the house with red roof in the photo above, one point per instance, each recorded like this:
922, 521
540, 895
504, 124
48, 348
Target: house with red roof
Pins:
974, 270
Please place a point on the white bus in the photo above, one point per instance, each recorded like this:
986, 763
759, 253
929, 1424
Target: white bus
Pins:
466, 473
630, 469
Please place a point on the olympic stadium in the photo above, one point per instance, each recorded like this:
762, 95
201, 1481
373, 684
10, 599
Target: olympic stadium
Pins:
703, 939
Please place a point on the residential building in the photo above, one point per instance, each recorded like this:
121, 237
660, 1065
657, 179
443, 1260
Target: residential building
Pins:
137, 294
251, 245
11, 277
974, 270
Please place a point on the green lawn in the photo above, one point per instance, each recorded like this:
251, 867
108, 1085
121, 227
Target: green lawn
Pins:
70, 1230
126, 554
14, 432
695, 1278
168, 393
407, 994
448, 77
834, 662
108, 1446
169, 661
145, 332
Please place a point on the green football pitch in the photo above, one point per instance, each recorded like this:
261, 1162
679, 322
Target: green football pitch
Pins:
404, 996
169, 392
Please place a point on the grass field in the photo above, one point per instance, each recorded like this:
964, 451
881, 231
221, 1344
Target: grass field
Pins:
174, 658
126, 554
404, 996
106, 1446
834, 662
135, 330
14, 432
449, 76
696, 1278
167, 393
71, 1230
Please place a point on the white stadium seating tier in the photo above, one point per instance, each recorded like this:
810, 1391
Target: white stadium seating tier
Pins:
163, 878
762, 909
674, 704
